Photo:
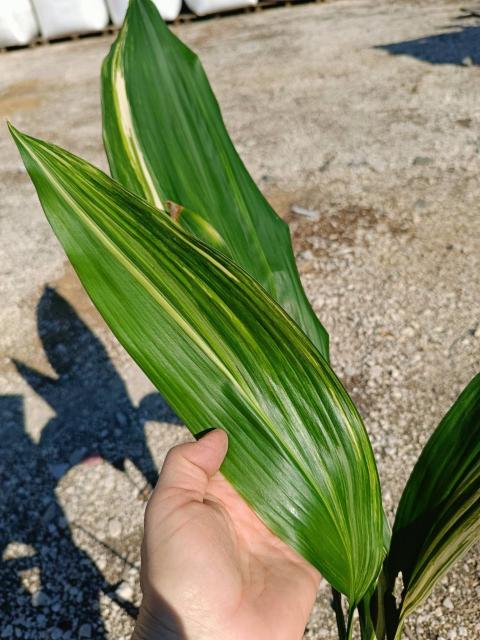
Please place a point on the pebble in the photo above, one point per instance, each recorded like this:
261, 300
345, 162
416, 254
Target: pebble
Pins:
121, 419
124, 591
311, 214
85, 631
114, 528
376, 371
40, 599
306, 255
77, 456
408, 332
421, 161
58, 470
49, 513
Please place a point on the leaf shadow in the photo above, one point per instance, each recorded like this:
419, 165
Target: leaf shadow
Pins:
458, 47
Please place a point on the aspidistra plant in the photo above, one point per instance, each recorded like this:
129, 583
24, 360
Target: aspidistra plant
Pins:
194, 273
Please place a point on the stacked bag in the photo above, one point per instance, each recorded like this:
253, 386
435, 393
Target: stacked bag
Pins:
21, 21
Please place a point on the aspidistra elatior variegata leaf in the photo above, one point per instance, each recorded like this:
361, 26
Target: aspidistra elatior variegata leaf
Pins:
165, 140
223, 353
438, 518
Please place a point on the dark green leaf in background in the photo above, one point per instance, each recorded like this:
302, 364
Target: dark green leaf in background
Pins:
166, 140
438, 517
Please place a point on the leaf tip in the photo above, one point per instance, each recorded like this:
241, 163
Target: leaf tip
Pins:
19, 138
14, 132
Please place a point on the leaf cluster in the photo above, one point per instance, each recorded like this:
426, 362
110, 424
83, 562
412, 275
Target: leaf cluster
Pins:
195, 274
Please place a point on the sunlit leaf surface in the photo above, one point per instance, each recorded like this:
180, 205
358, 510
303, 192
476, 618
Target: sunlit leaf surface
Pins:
166, 140
224, 353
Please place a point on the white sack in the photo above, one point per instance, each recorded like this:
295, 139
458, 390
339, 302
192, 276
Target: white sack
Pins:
62, 17
169, 9
17, 23
204, 7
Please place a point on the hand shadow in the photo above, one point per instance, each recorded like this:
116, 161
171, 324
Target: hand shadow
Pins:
68, 595
93, 415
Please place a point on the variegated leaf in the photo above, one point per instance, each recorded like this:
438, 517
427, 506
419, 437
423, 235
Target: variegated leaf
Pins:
223, 353
165, 140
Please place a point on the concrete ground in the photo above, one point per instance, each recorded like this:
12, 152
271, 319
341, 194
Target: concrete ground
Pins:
367, 112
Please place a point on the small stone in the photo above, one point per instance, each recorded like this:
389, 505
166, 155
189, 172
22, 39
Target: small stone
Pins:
311, 214
114, 528
40, 599
421, 161
49, 513
85, 631
306, 255
447, 603
376, 371
58, 470
61, 349
77, 456
121, 419
124, 591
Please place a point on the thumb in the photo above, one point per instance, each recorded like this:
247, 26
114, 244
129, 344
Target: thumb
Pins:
188, 467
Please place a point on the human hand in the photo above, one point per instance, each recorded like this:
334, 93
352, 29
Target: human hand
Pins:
211, 570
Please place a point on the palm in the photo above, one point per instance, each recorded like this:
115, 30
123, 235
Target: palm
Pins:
213, 561
252, 584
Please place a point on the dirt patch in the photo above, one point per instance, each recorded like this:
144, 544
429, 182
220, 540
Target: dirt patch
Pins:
21, 96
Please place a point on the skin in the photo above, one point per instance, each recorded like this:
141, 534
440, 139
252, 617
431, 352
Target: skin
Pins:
210, 568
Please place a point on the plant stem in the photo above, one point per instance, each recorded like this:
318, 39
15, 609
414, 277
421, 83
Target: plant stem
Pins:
350, 623
337, 607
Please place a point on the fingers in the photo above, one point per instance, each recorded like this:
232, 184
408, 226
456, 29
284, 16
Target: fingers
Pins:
189, 467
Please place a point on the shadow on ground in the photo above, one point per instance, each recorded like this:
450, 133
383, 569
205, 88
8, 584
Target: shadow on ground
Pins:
94, 416
460, 47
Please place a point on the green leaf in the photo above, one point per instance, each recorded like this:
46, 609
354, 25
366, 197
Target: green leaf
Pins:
165, 140
438, 517
224, 353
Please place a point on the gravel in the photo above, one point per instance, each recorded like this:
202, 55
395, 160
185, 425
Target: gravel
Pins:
336, 110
